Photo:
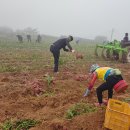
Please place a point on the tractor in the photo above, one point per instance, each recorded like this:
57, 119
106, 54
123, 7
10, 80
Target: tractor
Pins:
115, 50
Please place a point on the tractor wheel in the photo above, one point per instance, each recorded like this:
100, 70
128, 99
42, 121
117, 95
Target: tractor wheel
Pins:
115, 55
126, 56
96, 51
106, 53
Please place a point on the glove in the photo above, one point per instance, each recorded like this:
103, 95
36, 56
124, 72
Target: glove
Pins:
87, 92
73, 51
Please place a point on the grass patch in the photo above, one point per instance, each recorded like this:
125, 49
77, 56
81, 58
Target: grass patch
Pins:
49, 94
127, 100
49, 79
18, 125
9, 68
62, 61
8, 125
79, 109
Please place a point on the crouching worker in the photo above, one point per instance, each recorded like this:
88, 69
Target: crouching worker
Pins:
57, 46
112, 80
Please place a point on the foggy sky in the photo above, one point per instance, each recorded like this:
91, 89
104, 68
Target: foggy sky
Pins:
84, 18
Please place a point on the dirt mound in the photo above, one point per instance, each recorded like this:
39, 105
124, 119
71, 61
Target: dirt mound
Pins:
81, 77
35, 87
79, 56
48, 103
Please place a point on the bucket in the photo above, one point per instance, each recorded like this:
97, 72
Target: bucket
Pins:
121, 86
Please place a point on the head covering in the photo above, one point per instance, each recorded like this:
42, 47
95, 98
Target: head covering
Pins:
94, 67
126, 34
70, 38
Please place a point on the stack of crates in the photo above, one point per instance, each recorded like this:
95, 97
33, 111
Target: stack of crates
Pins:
117, 115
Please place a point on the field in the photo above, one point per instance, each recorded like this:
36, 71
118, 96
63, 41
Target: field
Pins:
27, 65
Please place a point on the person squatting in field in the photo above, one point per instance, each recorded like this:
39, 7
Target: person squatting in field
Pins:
111, 77
57, 46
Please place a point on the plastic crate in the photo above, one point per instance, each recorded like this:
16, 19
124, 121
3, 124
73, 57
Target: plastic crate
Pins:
117, 116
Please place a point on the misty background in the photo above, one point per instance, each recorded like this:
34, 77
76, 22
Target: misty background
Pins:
80, 18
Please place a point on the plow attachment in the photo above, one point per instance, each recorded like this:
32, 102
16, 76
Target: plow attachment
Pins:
113, 51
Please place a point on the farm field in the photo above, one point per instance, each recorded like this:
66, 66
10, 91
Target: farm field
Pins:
23, 66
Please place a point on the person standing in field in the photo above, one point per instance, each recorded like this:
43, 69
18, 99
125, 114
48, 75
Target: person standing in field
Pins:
20, 38
126, 39
57, 46
29, 38
39, 38
112, 80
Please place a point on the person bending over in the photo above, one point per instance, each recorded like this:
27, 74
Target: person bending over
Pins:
57, 46
111, 77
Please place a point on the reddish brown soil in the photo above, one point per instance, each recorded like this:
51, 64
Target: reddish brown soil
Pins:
18, 102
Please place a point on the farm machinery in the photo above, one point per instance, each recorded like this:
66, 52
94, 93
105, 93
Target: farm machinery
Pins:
115, 50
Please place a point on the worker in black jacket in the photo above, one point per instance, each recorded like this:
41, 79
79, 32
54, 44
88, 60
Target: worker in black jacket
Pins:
55, 49
126, 39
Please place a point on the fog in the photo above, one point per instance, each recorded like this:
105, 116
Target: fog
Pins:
83, 18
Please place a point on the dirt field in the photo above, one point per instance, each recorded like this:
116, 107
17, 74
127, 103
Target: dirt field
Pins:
24, 67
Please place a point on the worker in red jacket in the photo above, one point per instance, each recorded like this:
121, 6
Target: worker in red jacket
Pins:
110, 77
